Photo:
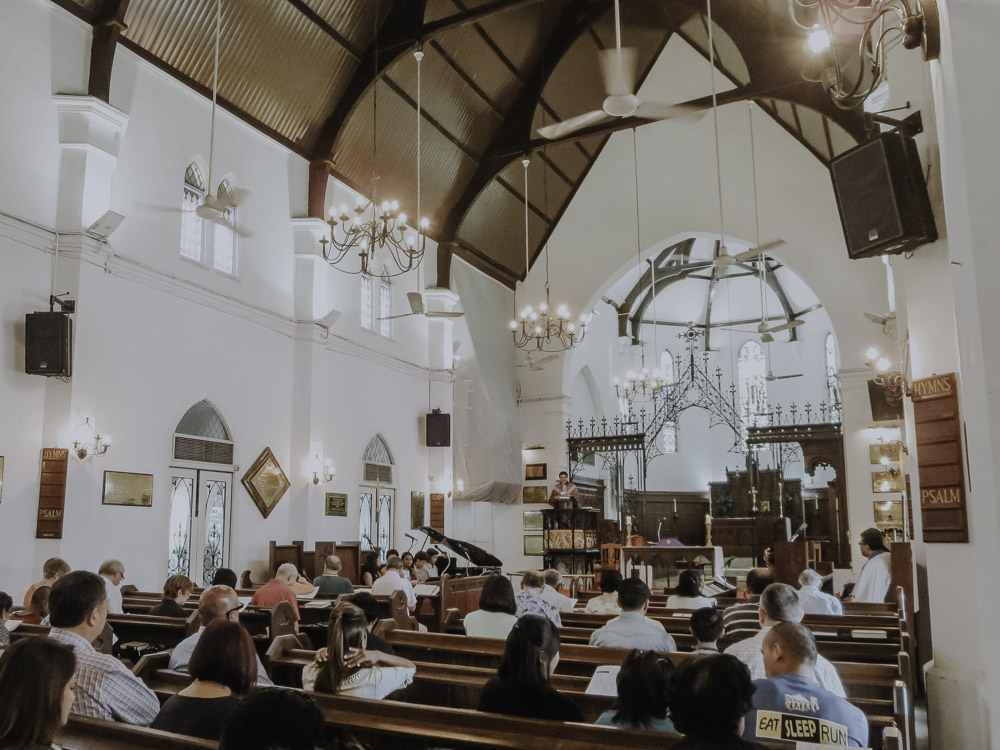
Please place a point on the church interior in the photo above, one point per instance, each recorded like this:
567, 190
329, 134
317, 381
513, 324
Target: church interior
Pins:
287, 278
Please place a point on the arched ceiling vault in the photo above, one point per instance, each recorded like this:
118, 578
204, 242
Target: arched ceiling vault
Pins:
304, 72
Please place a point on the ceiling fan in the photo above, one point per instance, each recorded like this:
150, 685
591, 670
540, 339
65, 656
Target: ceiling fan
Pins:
618, 71
417, 308
766, 331
771, 377
533, 365
725, 260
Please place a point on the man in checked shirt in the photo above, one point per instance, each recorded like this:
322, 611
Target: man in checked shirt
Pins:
105, 688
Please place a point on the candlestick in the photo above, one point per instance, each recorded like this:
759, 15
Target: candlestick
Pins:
675, 505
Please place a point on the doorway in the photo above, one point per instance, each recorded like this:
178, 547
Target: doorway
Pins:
200, 523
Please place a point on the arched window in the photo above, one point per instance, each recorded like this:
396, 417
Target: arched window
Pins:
751, 372
192, 227
669, 432
376, 497
224, 245
832, 384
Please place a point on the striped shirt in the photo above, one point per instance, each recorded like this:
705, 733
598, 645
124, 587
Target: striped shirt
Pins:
105, 688
742, 620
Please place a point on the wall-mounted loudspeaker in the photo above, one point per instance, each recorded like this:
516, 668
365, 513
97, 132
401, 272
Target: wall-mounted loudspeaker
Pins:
882, 197
884, 409
48, 344
438, 430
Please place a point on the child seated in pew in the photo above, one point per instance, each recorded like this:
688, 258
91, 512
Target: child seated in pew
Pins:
706, 626
176, 591
688, 594
224, 667
708, 699
348, 667
521, 687
37, 678
643, 688
38, 610
275, 719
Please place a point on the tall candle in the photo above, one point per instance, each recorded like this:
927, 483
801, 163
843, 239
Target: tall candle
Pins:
675, 505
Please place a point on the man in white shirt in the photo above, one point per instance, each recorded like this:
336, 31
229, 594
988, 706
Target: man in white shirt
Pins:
812, 600
550, 592
780, 603
113, 573
876, 577
393, 581
632, 629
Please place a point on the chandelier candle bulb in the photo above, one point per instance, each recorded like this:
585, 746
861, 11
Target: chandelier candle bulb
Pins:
872, 353
883, 364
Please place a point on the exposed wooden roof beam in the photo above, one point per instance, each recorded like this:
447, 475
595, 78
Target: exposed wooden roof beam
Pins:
108, 26
327, 29
464, 18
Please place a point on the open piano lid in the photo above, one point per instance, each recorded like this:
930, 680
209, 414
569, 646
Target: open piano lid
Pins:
475, 555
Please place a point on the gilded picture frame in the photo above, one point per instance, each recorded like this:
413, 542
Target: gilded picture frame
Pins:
532, 520
336, 504
537, 493
416, 510
127, 488
533, 546
887, 481
536, 471
265, 482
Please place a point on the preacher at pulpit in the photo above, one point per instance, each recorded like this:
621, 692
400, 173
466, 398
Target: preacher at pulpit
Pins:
565, 494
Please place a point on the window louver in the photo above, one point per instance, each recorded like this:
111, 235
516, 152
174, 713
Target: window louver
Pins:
377, 473
205, 451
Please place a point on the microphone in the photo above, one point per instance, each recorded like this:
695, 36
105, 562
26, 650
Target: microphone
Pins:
410, 536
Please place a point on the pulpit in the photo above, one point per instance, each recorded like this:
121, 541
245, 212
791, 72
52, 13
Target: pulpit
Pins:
569, 539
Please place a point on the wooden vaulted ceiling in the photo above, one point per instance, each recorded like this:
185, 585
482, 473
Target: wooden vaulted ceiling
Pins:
309, 73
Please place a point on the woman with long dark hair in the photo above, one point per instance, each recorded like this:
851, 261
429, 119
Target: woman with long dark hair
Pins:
224, 667
497, 610
37, 681
521, 687
347, 667
370, 569
643, 690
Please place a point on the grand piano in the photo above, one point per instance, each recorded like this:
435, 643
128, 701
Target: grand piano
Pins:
478, 561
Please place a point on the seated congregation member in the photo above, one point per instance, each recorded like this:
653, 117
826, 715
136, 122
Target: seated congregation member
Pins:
176, 591
529, 599
709, 698
113, 573
688, 593
38, 610
790, 693
6, 603
876, 576
331, 583
497, 610
607, 602
706, 626
370, 569
105, 688
275, 719
225, 577
369, 606
407, 572
422, 567
53, 569
349, 667
780, 603
279, 589
643, 689
521, 687
814, 601
393, 581
224, 667
216, 603
390, 553
36, 682
632, 629
551, 593
742, 620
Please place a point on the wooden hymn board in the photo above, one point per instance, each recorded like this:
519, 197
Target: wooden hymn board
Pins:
52, 493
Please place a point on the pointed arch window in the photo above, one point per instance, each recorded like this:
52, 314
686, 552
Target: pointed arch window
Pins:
830, 367
377, 497
668, 435
751, 373
224, 239
192, 227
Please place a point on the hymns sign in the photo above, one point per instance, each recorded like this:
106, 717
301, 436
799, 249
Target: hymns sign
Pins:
940, 459
52, 493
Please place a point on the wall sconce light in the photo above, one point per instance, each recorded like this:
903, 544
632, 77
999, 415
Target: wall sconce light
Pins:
324, 474
97, 447
895, 383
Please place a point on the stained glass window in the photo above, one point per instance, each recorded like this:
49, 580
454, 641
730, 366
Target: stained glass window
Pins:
832, 383
752, 371
385, 309
179, 528
192, 227
215, 530
366, 303
367, 495
224, 250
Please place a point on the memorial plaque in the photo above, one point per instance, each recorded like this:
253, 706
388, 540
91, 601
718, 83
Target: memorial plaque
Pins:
52, 493
940, 459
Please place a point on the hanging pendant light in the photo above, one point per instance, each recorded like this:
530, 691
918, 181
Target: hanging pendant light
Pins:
379, 239
544, 329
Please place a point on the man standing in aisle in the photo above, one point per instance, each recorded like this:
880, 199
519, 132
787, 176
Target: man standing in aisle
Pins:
876, 577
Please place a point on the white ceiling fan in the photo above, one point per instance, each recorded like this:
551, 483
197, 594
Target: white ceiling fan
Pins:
533, 365
725, 260
618, 71
417, 308
771, 377
766, 331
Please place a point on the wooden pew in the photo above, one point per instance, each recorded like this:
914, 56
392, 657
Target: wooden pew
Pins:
82, 733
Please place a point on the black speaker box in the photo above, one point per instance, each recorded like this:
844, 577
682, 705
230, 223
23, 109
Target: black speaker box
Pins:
48, 344
883, 409
882, 197
438, 430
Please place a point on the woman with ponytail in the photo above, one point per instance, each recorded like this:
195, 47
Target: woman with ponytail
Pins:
347, 667
521, 687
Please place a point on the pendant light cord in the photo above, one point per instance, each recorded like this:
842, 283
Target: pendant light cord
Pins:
418, 55
715, 123
525, 162
215, 91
